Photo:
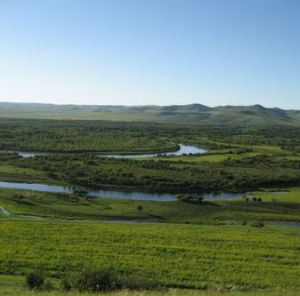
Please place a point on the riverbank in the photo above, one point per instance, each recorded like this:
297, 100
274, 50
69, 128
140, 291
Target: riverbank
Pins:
175, 150
129, 194
69, 206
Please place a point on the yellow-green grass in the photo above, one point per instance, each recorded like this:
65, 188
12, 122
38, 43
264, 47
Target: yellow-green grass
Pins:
191, 256
111, 116
270, 149
290, 194
28, 175
16, 171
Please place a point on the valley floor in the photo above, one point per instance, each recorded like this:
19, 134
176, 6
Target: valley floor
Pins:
244, 246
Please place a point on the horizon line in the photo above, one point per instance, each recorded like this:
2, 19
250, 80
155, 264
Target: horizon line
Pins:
145, 105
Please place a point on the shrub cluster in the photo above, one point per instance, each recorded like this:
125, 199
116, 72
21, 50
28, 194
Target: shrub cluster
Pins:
95, 280
91, 280
190, 198
36, 281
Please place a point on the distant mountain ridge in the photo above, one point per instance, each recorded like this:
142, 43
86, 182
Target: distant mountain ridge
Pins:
191, 113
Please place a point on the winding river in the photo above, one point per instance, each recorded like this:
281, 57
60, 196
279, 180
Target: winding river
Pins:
183, 150
131, 195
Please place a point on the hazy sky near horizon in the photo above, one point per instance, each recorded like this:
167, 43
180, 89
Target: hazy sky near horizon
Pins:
133, 52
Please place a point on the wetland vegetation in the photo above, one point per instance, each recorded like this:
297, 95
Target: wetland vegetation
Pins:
248, 244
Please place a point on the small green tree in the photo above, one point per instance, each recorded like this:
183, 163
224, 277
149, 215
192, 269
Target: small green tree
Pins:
140, 208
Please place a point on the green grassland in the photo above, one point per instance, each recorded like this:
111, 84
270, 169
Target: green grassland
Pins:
285, 195
209, 257
243, 246
64, 232
50, 205
17, 174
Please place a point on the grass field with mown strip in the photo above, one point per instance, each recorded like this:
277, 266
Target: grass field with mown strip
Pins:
190, 256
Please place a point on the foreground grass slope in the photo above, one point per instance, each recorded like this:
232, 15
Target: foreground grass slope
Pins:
190, 256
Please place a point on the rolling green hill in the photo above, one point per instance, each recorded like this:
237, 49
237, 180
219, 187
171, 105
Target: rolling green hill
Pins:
192, 114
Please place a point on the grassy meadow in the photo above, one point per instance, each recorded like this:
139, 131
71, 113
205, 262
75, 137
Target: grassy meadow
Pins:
210, 257
217, 245
286, 207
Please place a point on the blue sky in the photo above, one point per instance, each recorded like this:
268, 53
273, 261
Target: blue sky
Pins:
132, 52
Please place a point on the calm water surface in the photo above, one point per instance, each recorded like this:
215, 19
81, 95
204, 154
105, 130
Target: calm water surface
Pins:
133, 195
183, 149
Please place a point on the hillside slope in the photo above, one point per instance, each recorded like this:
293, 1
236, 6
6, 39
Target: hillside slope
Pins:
191, 114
